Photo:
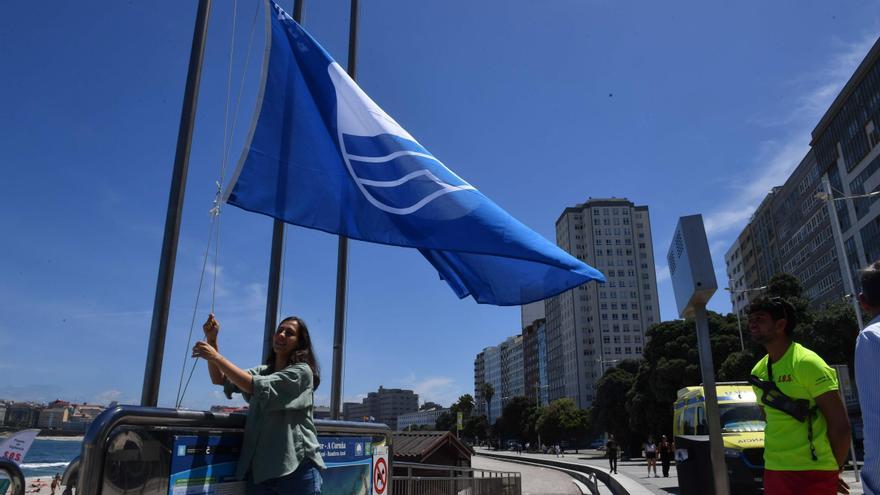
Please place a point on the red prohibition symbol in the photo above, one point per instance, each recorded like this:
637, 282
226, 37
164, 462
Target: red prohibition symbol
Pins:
380, 476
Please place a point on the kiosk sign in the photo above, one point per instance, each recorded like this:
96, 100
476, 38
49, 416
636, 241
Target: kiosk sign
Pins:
205, 465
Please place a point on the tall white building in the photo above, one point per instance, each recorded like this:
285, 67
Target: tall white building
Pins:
532, 312
594, 326
512, 368
502, 367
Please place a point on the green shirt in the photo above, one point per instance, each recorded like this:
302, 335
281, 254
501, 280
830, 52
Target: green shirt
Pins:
799, 374
280, 430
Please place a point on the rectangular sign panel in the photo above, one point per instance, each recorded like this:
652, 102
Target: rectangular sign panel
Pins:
205, 465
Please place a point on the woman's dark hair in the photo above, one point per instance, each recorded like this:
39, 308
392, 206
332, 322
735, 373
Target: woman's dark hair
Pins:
304, 353
778, 308
871, 284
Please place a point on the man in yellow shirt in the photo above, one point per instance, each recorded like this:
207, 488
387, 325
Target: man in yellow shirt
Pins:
807, 436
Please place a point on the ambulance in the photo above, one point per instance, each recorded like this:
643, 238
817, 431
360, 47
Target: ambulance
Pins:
742, 429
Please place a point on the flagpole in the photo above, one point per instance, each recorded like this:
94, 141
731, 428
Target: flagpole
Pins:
165, 281
273, 293
342, 254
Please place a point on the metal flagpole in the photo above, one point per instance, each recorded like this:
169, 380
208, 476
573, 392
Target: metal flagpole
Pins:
342, 256
273, 293
162, 301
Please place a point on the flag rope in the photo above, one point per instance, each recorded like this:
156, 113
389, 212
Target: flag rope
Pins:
214, 231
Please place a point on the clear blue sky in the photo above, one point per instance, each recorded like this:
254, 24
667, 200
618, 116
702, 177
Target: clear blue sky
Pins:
691, 107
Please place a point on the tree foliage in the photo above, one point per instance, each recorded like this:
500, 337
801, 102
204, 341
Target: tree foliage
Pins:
515, 421
634, 402
561, 421
448, 421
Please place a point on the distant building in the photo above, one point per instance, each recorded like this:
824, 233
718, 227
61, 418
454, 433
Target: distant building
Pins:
594, 326
529, 313
81, 416
419, 418
479, 381
53, 418
534, 338
22, 415
846, 143
90, 411
356, 411
2, 413
490, 361
321, 412
794, 235
383, 406
512, 380
502, 367
804, 237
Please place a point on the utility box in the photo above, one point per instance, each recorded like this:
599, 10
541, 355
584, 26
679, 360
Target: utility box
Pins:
690, 265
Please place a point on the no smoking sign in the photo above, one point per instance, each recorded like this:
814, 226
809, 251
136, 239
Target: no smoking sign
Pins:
380, 476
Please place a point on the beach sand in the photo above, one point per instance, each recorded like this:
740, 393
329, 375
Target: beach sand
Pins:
41, 485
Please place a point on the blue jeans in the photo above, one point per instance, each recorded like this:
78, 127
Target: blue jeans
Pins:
306, 480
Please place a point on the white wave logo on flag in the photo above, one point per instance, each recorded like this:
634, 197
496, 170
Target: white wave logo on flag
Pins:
392, 170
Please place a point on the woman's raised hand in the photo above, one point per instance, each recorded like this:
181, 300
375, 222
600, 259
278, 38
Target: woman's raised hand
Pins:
205, 351
211, 328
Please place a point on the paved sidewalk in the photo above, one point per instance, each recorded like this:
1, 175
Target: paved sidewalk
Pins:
536, 480
636, 470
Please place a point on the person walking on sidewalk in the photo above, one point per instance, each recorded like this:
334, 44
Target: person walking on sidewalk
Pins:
611, 448
867, 357
667, 450
651, 455
807, 437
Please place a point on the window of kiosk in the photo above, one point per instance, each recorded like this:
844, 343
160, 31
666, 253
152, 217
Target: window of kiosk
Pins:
689, 421
702, 425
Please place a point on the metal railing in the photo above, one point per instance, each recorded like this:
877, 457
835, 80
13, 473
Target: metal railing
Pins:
13, 477
428, 479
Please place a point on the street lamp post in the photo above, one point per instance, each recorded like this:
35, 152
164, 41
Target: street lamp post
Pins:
829, 199
738, 324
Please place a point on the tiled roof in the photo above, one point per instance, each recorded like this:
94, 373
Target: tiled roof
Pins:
418, 445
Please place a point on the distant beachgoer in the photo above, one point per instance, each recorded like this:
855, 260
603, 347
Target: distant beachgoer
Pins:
651, 456
612, 449
55, 482
281, 449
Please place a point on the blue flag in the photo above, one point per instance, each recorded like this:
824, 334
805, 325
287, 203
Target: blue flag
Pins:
323, 155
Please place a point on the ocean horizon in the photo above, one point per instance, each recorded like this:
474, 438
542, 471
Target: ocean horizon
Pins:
49, 456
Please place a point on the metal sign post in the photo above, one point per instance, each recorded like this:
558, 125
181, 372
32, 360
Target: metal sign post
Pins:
693, 281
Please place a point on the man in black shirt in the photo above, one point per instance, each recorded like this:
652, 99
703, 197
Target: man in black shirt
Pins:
611, 449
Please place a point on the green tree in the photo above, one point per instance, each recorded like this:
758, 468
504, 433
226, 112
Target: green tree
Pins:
515, 418
562, 420
445, 422
464, 405
831, 334
789, 288
476, 428
610, 401
448, 421
671, 362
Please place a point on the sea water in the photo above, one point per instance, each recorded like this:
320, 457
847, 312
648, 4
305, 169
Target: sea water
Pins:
48, 457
